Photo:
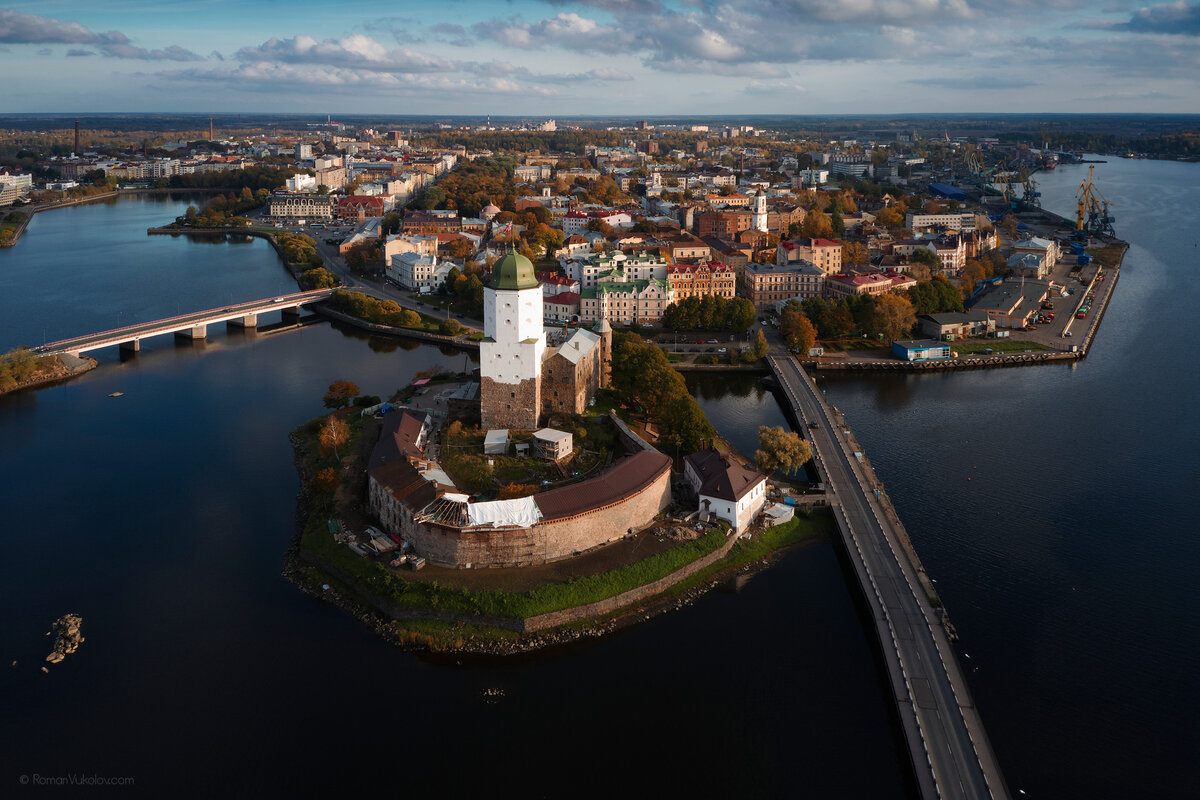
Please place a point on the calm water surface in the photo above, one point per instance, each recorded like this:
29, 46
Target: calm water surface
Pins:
162, 517
1054, 506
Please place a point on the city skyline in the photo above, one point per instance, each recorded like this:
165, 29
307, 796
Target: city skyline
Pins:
561, 58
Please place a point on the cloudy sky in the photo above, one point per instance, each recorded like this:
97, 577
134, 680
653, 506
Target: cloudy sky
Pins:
607, 57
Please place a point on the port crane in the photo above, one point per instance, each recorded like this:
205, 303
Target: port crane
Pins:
1092, 214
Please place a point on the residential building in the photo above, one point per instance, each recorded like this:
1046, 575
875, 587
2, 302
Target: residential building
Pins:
301, 206
626, 302
726, 489
417, 272
964, 222
859, 284
1046, 249
700, 280
766, 284
561, 307
825, 254
431, 222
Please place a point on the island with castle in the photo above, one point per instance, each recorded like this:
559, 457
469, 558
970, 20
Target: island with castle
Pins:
508, 505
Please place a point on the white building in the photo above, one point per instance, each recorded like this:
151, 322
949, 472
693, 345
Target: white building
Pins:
958, 222
417, 271
725, 488
301, 183
513, 346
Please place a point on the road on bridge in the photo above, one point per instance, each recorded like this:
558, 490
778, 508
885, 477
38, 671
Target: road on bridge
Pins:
155, 327
951, 755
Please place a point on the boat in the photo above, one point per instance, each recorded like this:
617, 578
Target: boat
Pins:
116, 394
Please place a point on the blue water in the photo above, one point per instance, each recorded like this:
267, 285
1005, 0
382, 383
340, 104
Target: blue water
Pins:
92, 267
1053, 506
163, 516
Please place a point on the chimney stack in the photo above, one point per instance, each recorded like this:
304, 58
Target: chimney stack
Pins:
76, 138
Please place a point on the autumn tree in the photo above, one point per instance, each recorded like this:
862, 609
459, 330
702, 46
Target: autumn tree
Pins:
334, 433
893, 316
514, 490
326, 480
854, 253
340, 394
817, 225
797, 331
781, 450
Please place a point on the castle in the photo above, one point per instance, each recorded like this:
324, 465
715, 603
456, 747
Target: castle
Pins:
521, 377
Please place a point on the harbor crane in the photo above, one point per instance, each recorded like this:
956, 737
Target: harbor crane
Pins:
1092, 215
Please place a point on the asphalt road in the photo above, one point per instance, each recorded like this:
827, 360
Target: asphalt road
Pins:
936, 693
154, 327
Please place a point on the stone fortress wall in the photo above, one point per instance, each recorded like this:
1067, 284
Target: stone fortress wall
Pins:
552, 539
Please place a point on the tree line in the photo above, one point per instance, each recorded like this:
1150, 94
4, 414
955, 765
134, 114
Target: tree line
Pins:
709, 313
643, 377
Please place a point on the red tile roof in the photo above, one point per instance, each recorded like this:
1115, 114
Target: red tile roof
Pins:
624, 479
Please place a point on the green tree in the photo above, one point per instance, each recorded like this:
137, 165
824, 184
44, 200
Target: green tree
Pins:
319, 278
451, 327
780, 450
340, 394
740, 315
683, 425
760, 345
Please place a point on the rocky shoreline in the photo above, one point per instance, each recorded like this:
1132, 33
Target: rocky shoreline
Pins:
57, 374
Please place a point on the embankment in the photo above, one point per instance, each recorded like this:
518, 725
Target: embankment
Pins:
64, 367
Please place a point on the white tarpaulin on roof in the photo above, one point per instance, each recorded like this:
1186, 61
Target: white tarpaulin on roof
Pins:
522, 512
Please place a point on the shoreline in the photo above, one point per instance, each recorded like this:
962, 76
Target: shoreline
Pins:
465, 633
61, 373
30, 212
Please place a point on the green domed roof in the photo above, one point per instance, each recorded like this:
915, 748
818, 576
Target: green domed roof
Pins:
513, 271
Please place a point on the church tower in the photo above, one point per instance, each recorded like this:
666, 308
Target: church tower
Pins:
758, 219
514, 344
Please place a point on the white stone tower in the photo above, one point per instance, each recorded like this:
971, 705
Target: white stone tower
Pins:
514, 344
758, 219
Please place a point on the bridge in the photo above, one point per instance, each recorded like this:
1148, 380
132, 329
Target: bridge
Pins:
950, 752
189, 326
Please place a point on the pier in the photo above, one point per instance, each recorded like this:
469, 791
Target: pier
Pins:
948, 747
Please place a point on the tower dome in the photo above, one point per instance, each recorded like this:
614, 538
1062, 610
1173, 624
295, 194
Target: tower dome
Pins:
513, 271
490, 210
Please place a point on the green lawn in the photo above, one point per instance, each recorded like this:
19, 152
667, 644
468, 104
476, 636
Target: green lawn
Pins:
977, 346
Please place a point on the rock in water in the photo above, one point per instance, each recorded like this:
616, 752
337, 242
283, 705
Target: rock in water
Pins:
68, 639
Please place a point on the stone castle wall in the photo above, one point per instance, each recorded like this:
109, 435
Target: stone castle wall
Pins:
508, 405
550, 540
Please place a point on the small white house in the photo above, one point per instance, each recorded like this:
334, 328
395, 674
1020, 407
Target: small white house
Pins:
495, 442
725, 488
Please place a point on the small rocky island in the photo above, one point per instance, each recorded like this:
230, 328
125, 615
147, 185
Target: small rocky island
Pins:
68, 637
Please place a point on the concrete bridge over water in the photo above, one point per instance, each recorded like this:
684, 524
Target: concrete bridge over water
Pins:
189, 326
950, 752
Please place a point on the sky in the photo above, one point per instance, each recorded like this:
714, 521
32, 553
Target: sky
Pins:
558, 58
